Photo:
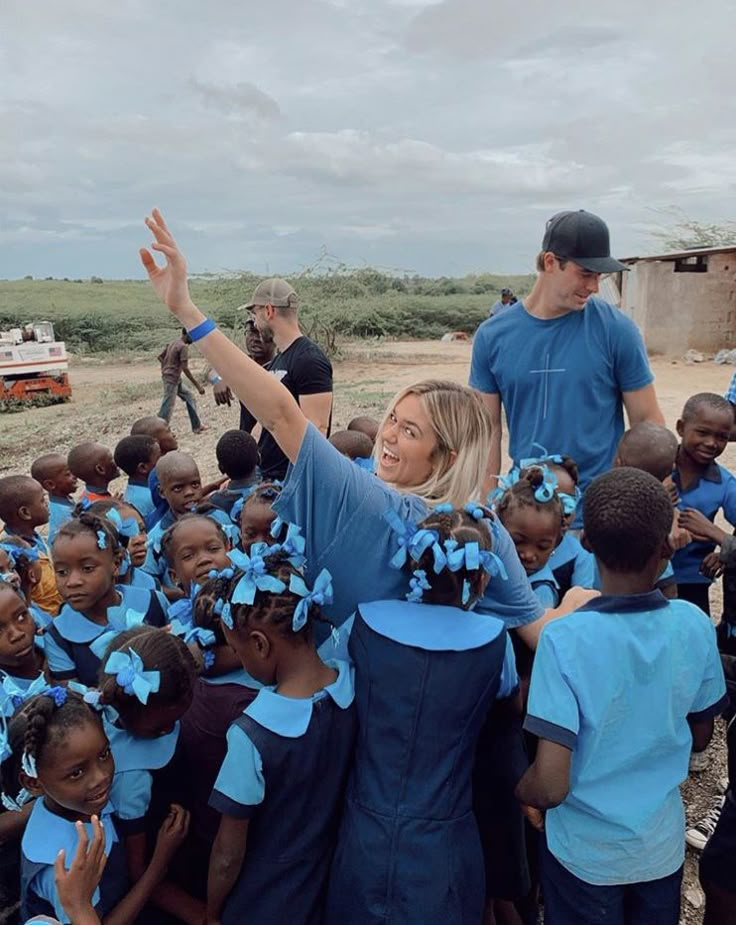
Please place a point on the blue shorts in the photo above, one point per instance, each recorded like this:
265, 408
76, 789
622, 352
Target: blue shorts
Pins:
571, 901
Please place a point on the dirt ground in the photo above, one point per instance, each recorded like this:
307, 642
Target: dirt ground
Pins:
109, 395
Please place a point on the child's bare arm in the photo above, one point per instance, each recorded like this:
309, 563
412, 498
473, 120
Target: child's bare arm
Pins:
226, 861
547, 782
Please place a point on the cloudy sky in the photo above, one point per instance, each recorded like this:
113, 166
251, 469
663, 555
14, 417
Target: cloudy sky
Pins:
430, 137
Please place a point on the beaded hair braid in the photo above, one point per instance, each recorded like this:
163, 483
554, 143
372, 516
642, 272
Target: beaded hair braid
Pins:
88, 522
521, 494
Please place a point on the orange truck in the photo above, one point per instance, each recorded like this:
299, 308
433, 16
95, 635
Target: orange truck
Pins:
33, 364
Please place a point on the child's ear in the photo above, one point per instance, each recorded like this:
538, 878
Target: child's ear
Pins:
679, 427
31, 784
261, 643
617, 461
142, 469
584, 541
117, 559
48, 485
100, 469
172, 576
24, 513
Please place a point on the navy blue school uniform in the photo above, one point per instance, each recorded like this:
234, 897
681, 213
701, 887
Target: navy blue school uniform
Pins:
227, 498
287, 762
409, 851
141, 579
572, 565
545, 586
45, 834
75, 645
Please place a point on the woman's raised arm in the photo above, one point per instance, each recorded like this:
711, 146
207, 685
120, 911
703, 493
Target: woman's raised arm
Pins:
260, 392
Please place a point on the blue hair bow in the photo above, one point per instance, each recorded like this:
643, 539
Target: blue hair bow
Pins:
125, 564
540, 460
12, 696
504, 483
320, 594
546, 492
423, 540
255, 578
101, 539
8, 577
570, 502
125, 526
418, 585
405, 531
131, 676
10, 550
17, 551
17, 804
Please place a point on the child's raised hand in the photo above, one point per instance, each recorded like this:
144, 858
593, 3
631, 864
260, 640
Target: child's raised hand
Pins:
171, 835
77, 885
170, 281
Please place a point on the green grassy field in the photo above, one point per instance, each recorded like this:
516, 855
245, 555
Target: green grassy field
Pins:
124, 316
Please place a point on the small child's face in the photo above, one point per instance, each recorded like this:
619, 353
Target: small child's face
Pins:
704, 436
255, 523
136, 544
8, 572
17, 631
182, 489
36, 507
197, 548
84, 573
62, 482
76, 774
165, 438
535, 535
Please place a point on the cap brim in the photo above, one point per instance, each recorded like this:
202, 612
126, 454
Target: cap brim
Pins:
600, 264
245, 308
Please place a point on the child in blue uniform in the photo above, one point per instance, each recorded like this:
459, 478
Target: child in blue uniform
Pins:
532, 513
703, 486
427, 672
137, 456
55, 477
281, 785
58, 753
146, 686
131, 530
237, 458
93, 464
87, 556
259, 522
614, 744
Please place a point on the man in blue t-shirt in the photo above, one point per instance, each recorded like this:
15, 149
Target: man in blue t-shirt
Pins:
563, 363
505, 300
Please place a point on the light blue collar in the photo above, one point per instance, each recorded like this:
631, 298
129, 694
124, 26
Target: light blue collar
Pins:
46, 833
290, 716
61, 501
431, 627
237, 676
75, 627
544, 574
134, 754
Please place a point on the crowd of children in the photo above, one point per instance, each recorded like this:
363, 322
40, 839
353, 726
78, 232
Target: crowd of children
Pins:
185, 737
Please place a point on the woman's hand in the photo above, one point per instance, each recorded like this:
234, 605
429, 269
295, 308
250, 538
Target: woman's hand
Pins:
170, 281
77, 885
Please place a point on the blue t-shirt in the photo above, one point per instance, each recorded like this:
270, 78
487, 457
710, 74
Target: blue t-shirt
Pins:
139, 495
60, 510
715, 490
340, 509
561, 380
615, 682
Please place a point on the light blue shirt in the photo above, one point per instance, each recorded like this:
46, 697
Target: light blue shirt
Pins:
241, 777
60, 510
615, 682
584, 573
340, 510
545, 586
561, 380
156, 563
714, 491
139, 495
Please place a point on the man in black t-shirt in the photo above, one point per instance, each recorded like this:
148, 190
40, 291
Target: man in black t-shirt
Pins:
300, 364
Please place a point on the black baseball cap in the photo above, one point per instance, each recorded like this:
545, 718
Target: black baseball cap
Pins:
583, 238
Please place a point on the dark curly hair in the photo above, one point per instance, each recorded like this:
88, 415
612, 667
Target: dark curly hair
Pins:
521, 494
160, 651
627, 516
85, 521
200, 514
37, 727
269, 607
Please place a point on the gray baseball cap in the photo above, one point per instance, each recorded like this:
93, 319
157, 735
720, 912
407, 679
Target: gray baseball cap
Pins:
276, 292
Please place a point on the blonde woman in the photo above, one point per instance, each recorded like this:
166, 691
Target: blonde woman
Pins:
432, 447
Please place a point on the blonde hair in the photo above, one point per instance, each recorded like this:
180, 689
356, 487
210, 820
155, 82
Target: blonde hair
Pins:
462, 425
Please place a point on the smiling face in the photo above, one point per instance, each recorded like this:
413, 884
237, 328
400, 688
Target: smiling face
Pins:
182, 487
76, 769
17, 635
535, 534
85, 574
197, 547
61, 482
568, 287
705, 434
406, 445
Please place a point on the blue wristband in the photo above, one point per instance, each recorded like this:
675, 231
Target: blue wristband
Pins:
202, 329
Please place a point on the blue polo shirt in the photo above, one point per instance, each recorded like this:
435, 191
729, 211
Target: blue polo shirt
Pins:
561, 380
60, 510
138, 494
714, 491
615, 682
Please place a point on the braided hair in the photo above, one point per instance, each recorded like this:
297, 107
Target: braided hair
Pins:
159, 651
37, 727
275, 608
85, 521
461, 526
522, 494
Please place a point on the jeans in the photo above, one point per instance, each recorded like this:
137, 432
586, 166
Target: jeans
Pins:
571, 901
172, 388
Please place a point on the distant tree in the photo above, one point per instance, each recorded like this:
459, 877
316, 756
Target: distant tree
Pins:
96, 279
687, 233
